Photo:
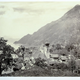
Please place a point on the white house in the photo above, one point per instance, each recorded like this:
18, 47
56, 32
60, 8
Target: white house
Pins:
55, 57
1, 52
14, 56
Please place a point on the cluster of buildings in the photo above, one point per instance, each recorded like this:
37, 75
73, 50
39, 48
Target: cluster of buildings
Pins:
24, 58
56, 56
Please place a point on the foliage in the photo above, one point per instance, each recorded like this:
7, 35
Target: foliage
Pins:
61, 66
5, 57
58, 46
69, 47
72, 65
76, 53
2, 43
40, 62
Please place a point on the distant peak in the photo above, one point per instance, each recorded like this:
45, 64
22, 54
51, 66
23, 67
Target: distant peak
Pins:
74, 11
77, 6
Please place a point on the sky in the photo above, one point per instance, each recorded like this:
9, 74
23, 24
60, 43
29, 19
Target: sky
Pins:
18, 19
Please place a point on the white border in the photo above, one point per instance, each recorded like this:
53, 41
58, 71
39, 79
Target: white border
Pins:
35, 0
38, 78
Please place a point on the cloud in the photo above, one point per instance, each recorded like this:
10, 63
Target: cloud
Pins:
2, 6
2, 12
19, 9
28, 10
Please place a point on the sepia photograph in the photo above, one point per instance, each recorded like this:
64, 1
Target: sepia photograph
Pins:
40, 39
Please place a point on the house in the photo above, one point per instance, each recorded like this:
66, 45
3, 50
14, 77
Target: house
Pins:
29, 59
77, 63
71, 56
1, 52
63, 59
50, 61
18, 66
20, 54
14, 56
63, 55
55, 58
27, 55
23, 67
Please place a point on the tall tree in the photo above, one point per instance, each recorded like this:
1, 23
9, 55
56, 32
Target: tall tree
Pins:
5, 56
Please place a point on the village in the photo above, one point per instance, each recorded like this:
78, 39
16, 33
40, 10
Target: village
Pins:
47, 56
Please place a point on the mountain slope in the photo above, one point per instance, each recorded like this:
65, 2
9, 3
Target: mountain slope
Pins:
64, 30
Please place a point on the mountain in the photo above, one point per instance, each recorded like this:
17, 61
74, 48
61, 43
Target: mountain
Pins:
64, 30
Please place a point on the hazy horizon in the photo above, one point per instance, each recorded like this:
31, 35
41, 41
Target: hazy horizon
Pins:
18, 19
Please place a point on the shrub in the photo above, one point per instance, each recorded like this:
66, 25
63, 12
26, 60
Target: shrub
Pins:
58, 46
5, 57
61, 66
72, 65
69, 47
40, 62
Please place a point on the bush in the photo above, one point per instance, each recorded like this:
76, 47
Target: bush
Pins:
72, 65
69, 47
58, 46
5, 57
61, 66
40, 62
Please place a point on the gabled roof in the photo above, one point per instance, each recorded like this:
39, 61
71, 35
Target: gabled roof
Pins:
63, 58
52, 61
54, 55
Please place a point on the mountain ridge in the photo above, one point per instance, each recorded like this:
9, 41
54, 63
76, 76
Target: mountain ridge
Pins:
64, 30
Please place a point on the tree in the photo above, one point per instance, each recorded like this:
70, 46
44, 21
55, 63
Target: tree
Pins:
40, 62
69, 47
58, 46
72, 65
5, 57
2, 43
